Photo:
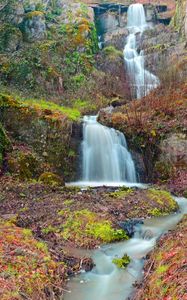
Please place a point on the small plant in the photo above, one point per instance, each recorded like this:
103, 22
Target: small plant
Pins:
122, 192
49, 229
122, 262
68, 202
162, 269
112, 52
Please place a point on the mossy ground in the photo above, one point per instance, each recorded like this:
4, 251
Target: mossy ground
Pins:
66, 219
49, 109
80, 218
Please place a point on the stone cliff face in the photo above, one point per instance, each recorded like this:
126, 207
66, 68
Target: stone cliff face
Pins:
41, 140
111, 20
180, 18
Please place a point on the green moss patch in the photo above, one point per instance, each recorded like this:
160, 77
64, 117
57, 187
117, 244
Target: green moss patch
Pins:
122, 262
24, 164
112, 52
51, 108
121, 193
84, 224
50, 179
164, 202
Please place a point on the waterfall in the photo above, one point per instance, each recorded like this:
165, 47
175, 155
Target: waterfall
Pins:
141, 80
105, 157
136, 16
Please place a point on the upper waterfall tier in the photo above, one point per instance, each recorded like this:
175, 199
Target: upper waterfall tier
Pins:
105, 154
141, 80
136, 16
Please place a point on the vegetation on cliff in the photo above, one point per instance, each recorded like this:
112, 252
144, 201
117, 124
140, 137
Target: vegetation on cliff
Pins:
52, 72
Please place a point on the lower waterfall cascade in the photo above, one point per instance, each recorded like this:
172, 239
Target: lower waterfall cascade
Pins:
141, 80
105, 157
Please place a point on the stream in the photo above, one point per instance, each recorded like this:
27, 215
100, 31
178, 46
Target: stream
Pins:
106, 281
106, 160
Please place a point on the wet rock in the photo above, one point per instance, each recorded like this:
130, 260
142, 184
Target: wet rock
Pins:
129, 226
75, 264
87, 264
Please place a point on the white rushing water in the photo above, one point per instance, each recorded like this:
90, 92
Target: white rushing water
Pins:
105, 157
141, 80
106, 281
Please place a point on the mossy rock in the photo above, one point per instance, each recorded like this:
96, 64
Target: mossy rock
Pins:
112, 52
10, 38
163, 170
164, 203
25, 165
34, 14
34, 26
51, 179
88, 228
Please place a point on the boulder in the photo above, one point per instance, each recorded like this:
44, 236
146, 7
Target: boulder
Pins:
10, 38
34, 26
129, 226
51, 179
174, 149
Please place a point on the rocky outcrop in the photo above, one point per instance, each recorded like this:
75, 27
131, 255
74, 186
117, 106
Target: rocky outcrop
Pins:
179, 20
174, 149
161, 45
173, 156
111, 62
44, 140
34, 26
111, 19
73, 12
10, 38
116, 38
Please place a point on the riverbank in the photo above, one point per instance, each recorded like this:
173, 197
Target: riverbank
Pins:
165, 268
